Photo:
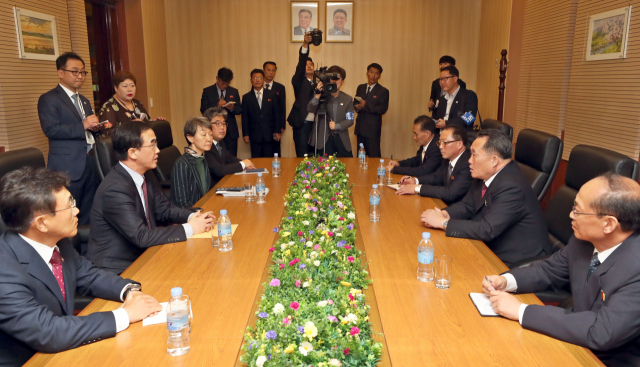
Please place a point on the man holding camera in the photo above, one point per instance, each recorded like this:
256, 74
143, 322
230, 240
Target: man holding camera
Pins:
339, 116
457, 103
299, 118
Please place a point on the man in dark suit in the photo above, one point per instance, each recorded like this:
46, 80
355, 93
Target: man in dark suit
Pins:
600, 263
500, 208
373, 104
269, 68
260, 117
456, 101
67, 119
451, 182
436, 91
40, 273
219, 160
304, 23
222, 95
428, 157
303, 88
129, 203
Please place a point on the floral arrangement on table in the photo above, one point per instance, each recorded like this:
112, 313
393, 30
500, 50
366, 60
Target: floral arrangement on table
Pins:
313, 310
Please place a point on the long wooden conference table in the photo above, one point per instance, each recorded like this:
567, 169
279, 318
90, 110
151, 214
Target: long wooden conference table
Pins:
418, 324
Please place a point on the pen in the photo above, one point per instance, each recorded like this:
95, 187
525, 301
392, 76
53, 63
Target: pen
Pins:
489, 283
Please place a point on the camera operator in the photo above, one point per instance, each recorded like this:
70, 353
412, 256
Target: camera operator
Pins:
302, 82
339, 117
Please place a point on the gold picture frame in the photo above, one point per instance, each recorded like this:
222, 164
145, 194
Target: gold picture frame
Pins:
299, 11
37, 35
339, 22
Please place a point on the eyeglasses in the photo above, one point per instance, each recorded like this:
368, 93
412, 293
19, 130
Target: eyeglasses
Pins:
153, 145
220, 124
441, 143
76, 72
575, 213
73, 206
257, 78
444, 79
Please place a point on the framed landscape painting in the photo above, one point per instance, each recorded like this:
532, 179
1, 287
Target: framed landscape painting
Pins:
608, 35
37, 35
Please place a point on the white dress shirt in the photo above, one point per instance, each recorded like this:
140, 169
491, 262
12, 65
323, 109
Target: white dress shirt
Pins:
215, 143
452, 163
369, 88
424, 151
450, 98
45, 252
269, 85
138, 179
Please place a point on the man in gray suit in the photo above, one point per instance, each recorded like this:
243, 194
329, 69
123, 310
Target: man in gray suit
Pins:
600, 263
339, 21
304, 23
339, 118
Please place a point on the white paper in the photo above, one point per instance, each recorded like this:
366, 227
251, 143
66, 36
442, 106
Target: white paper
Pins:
483, 304
394, 186
264, 170
160, 318
239, 194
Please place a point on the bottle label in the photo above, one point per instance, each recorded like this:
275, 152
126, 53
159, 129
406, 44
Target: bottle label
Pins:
381, 171
425, 257
260, 187
374, 200
361, 155
177, 320
276, 165
224, 229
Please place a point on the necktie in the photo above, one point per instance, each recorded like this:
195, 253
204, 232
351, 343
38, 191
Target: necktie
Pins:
260, 99
221, 94
219, 149
484, 189
146, 202
88, 137
267, 86
423, 154
368, 90
56, 266
450, 171
593, 265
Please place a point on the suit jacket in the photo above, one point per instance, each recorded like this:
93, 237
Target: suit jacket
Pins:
436, 185
343, 104
281, 103
466, 101
508, 219
220, 166
260, 123
62, 124
369, 121
210, 99
34, 317
297, 30
334, 32
436, 93
415, 166
303, 90
605, 316
119, 231
186, 185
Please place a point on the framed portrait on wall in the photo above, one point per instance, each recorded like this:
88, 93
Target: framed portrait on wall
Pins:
608, 35
339, 22
304, 18
37, 35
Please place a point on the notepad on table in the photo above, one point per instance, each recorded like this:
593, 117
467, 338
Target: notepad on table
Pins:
239, 194
252, 170
214, 232
394, 186
160, 318
483, 304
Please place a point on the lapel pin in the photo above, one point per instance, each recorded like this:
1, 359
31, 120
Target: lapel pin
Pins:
269, 100
231, 96
456, 102
341, 104
485, 202
603, 295
452, 178
375, 97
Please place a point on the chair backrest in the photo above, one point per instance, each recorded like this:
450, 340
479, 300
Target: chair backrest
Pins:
15, 159
104, 156
538, 154
498, 125
585, 163
169, 154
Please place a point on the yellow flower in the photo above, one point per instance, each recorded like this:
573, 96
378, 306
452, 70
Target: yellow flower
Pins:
344, 322
288, 252
290, 348
346, 284
285, 234
318, 174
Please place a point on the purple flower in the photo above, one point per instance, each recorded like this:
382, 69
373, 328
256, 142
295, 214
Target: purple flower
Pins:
336, 186
301, 329
312, 232
341, 243
330, 207
271, 334
263, 315
332, 319
315, 200
251, 346
269, 357
350, 226
289, 218
302, 240
275, 230
302, 266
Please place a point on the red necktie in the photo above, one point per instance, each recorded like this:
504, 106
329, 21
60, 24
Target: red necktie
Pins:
146, 202
56, 266
484, 189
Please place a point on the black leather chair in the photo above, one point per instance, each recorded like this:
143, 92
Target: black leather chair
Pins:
168, 155
104, 157
15, 159
538, 154
498, 125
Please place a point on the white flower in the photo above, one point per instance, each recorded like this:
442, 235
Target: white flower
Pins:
260, 361
347, 176
283, 246
315, 215
278, 308
305, 222
335, 362
345, 180
352, 318
305, 347
291, 243
334, 252
339, 234
322, 239
316, 263
313, 255
351, 215
304, 285
322, 304
306, 196
309, 244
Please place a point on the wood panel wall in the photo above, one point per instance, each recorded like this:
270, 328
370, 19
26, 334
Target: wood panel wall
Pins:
23, 81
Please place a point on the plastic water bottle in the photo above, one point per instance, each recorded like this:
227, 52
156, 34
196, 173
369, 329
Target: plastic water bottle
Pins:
425, 258
374, 204
275, 165
224, 232
178, 323
260, 188
381, 172
362, 157
388, 179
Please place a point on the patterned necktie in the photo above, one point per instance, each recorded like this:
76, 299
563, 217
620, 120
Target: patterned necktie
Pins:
56, 266
260, 99
146, 202
450, 172
88, 136
593, 265
484, 189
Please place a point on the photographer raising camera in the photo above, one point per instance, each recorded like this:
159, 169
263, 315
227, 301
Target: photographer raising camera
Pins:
333, 109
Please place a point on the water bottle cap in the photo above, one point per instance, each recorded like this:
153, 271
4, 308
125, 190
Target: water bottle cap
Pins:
275, 154
426, 235
374, 186
382, 161
223, 211
259, 174
176, 292
361, 144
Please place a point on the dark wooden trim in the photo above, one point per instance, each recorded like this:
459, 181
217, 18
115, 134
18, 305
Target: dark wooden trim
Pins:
1, 149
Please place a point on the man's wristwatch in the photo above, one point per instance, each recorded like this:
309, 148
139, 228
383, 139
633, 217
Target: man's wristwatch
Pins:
444, 224
129, 288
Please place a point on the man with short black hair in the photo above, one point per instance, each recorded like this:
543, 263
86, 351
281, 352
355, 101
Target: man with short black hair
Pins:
339, 21
436, 91
600, 264
303, 88
130, 203
260, 116
304, 23
500, 208
428, 157
40, 273
373, 103
270, 70
222, 95
456, 101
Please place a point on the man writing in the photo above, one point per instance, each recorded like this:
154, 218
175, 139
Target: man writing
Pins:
40, 273
456, 101
223, 95
374, 102
129, 204
270, 70
428, 157
600, 263
299, 118
304, 23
